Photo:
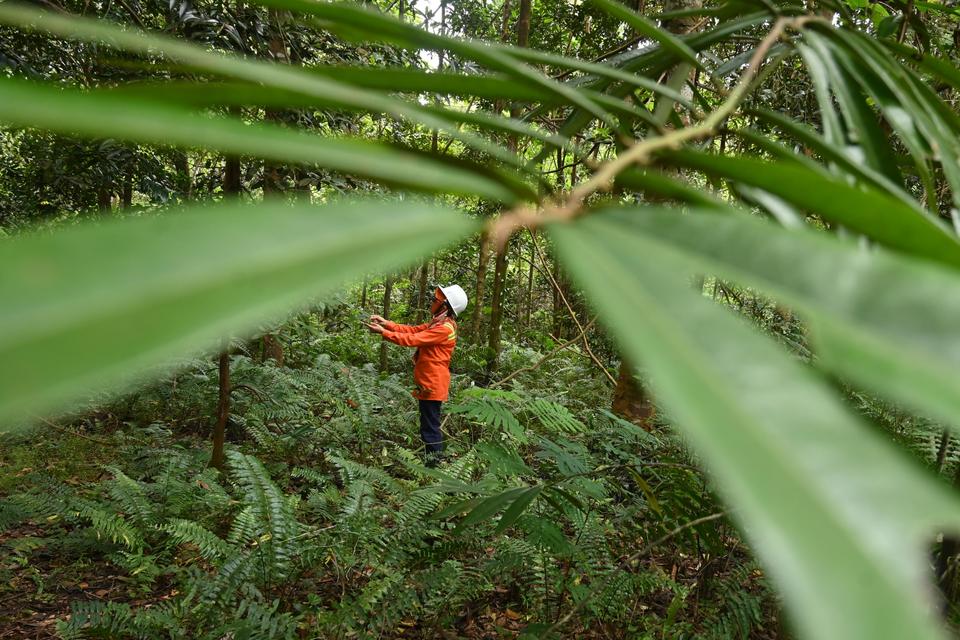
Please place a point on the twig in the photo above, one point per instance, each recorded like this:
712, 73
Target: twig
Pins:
566, 303
536, 365
639, 153
625, 563
74, 433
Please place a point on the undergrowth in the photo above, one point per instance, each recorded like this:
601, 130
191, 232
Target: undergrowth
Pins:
327, 525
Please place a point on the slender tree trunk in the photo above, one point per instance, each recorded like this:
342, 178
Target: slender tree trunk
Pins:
500, 269
496, 311
480, 291
948, 571
363, 295
529, 306
630, 400
231, 189
218, 457
104, 199
387, 295
181, 163
422, 291
126, 198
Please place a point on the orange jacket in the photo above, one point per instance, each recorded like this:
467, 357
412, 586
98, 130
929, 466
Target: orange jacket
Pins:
435, 342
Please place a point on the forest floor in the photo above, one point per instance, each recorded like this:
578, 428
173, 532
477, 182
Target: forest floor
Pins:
88, 506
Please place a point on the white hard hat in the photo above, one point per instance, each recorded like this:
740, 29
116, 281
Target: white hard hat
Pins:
456, 296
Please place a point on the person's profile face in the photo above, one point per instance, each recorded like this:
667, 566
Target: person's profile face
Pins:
437, 302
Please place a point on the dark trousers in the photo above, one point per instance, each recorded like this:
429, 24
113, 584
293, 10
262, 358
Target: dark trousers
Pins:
430, 426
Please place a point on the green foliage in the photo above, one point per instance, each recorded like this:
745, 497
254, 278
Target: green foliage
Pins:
549, 498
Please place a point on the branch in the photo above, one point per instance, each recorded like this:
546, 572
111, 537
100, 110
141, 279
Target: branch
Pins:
566, 303
641, 152
536, 365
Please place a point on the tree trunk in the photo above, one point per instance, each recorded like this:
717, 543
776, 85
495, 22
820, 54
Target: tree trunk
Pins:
231, 189
948, 571
363, 295
422, 293
184, 180
529, 306
480, 290
218, 457
496, 312
500, 270
126, 197
104, 199
630, 399
387, 295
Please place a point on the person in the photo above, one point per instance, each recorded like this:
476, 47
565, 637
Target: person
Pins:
435, 342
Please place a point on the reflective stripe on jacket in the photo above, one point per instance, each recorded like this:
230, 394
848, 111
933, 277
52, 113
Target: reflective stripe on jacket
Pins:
435, 342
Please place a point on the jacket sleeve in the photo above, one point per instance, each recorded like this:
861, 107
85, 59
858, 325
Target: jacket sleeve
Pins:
435, 335
396, 327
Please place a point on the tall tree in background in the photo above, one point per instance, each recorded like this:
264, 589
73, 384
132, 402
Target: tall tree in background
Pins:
232, 188
500, 264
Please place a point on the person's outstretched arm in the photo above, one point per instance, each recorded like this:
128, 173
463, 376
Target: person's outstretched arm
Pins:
396, 327
437, 334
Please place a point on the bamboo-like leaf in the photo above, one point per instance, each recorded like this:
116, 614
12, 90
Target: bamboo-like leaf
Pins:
861, 122
830, 153
916, 112
652, 62
210, 94
490, 506
644, 27
105, 114
516, 509
659, 184
90, 304
883, 320
356, 20
839, 517
276, 76
866, 210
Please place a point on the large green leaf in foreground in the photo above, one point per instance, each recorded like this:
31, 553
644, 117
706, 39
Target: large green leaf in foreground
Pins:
884, 320
837, 515
109, 114
85, 306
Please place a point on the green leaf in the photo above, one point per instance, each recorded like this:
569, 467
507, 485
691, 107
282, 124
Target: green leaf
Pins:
652, 63
457, 508
104, 114
277, 76
517, 508
839, 517
831, 153
918, 114
862, 126
883, 320
645, 27
864, 209
653, 182
212, 94
91, 304
486, 509
353, 20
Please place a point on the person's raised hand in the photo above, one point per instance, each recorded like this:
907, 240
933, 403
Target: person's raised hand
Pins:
375, 319
375, 328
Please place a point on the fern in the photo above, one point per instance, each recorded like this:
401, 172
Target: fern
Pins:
209, 545
132, 498
488, 408
556, 418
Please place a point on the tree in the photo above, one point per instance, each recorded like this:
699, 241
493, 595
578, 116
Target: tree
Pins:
837, 514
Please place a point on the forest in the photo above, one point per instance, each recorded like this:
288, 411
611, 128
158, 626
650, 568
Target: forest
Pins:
480, 319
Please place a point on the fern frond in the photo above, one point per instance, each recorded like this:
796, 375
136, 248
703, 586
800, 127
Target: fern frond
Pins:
210, 546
